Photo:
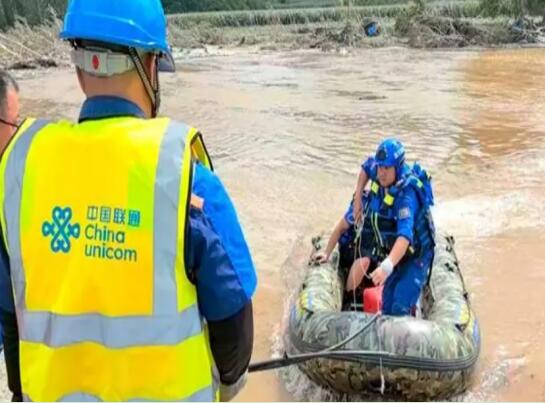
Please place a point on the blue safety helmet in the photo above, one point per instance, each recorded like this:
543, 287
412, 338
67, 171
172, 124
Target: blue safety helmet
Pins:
390, 153
139, 24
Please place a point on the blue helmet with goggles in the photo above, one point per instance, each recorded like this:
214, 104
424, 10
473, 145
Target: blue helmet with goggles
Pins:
390, 153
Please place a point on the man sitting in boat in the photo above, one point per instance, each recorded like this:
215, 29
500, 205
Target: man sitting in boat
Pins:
397, 214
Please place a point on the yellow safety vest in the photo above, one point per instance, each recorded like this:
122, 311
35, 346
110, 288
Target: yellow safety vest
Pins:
94, 216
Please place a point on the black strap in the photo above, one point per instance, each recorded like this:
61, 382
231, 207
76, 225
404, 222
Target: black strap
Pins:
151, 90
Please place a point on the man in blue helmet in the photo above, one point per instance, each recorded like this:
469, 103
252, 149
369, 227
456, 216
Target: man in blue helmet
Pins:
397, 215
129, 277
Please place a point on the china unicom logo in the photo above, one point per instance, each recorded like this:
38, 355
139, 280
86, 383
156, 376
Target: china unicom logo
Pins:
61, 230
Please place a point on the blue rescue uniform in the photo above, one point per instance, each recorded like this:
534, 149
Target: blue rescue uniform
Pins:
403, 210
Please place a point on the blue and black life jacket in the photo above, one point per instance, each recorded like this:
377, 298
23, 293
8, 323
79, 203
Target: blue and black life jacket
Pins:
381, 215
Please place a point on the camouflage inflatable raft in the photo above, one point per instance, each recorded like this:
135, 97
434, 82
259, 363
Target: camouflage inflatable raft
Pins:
404, 357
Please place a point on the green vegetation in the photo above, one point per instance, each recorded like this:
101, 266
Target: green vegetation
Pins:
178, 6
33, 11
282, 17
467, 9
426, 28
515, 8
241, 13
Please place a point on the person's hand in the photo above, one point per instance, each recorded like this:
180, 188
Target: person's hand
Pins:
382, 272
320, 258
379, 277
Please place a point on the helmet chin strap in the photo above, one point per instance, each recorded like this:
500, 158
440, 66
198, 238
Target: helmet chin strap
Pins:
152, 90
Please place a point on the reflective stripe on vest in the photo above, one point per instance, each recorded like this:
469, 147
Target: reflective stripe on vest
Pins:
388, 198
200, 396
107, 326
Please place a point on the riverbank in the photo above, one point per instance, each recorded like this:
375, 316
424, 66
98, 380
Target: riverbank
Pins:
454, 24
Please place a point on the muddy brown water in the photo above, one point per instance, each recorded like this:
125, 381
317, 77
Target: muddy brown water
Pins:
287, 132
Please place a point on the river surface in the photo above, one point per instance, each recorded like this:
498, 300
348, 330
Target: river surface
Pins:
287, 133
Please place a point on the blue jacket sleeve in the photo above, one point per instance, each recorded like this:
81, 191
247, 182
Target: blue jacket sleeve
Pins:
219, 258
370, 168
349, 214
6, 293
406, 210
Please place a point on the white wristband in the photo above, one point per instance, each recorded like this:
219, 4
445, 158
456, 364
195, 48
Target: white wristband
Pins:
387, 266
